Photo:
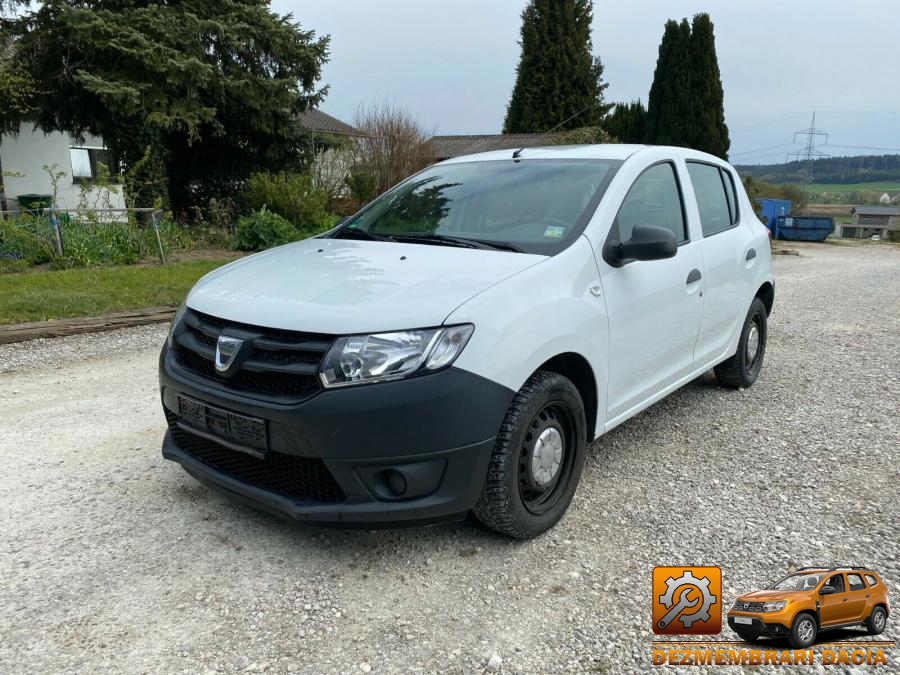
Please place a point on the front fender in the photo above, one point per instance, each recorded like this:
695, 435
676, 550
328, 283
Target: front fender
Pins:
541, 312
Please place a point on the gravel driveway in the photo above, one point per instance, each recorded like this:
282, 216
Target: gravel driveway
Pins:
114, 560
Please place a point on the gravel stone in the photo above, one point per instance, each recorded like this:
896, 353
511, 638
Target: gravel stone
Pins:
114, 560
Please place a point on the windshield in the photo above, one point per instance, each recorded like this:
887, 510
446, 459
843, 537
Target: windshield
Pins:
532, 206
798, 582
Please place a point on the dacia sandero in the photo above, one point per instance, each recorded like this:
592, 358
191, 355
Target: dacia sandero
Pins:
812, 600
454, 346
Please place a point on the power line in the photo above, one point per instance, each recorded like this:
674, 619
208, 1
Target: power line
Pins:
754, 151
858, 147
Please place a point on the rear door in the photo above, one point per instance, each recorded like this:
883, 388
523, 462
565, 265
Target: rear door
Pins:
729, 258
857, 595
654, 307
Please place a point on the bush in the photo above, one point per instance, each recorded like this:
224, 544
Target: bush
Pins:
292, 196
10, 265
362, 187
29, 238
264, 229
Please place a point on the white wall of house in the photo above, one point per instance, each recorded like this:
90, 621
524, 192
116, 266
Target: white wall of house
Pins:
30, 150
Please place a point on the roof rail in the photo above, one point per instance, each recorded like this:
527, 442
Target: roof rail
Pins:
847, 567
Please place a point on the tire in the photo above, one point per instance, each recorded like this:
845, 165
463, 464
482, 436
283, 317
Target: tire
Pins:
803, 631
877, 621
526, 492
742, 369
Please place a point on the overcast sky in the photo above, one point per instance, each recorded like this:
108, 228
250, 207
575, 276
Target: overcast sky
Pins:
452, 63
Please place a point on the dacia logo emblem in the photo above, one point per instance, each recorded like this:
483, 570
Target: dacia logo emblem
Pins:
227, 349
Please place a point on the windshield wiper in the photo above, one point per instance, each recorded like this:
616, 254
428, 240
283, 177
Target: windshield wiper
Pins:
462, 242
357, 233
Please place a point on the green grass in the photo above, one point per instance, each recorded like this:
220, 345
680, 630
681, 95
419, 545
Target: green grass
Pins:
839, 191
41, 295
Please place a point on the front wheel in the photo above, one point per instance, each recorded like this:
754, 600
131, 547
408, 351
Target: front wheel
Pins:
803, 631
537, 459
742, 369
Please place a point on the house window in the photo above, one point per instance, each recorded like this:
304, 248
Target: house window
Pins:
86, 161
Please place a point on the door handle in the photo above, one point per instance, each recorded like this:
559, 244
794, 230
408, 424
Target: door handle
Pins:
751, 254
694, 276
845, 599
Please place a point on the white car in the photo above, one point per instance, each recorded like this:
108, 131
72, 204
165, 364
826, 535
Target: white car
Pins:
454, 346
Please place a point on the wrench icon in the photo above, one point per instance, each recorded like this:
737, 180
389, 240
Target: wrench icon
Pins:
680, 606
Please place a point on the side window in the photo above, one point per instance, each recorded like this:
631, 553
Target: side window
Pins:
872, 580
856, 582
837, 582
654, 199
730, 194
715, 214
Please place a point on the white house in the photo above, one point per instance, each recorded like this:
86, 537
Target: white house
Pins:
24, 156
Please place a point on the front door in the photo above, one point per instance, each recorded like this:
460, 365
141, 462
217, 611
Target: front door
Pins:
654, 307
833, 607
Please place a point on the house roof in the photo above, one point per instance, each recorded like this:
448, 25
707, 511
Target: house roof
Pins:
446, 147
876, 210
316, 120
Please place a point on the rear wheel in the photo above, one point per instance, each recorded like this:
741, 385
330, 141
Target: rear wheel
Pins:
742, 369
877, 621
537, 458
803, 631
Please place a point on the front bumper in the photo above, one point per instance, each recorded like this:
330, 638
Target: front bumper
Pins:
774, 627
436, 431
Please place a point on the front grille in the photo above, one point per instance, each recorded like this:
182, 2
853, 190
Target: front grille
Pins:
748, 606
272, 363
298, 478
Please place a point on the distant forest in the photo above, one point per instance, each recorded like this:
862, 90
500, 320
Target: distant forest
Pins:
841, 170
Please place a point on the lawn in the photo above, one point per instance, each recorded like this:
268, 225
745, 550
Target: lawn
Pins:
842, 190
42, 295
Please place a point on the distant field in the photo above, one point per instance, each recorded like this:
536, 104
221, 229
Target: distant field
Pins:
884, 186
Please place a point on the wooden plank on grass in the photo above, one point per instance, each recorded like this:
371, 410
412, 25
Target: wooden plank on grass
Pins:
86, 324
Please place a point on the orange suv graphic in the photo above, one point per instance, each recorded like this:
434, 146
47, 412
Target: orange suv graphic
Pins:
811, 600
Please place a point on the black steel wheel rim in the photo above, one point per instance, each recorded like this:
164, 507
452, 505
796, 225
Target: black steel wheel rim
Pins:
537, 496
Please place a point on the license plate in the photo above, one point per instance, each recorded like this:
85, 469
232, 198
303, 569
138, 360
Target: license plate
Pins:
247, 434
743, 619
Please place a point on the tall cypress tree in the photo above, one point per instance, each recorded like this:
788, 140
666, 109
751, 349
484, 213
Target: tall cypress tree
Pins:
627, 123
710, 133
686, 103
557, 77
669, 105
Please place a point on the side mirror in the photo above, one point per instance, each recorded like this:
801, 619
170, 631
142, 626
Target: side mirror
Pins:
648, 242
826, 590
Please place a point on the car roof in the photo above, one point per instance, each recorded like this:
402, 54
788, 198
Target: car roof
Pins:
613, 151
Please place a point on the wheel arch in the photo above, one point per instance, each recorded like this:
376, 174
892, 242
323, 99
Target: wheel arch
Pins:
766, 293
577, 369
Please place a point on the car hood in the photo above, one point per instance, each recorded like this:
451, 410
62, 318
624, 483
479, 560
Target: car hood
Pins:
770, 596
341, 286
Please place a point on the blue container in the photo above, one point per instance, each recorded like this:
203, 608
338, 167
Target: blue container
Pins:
803, 228
772, 209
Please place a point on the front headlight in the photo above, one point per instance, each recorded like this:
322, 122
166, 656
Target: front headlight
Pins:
179, 314
774, 606
361, 359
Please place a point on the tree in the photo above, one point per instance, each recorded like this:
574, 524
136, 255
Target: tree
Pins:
558, 81
206, 91
627, 122
393, 145
686, 102
669, 107
710, 133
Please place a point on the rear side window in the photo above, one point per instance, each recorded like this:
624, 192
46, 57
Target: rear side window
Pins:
654, 199
856, 582
718, 210
872, 580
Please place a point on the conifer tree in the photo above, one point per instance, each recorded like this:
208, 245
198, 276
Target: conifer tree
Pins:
669, 106
710, 133
558, 77
627, 122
